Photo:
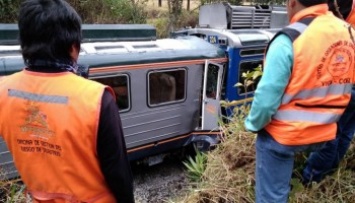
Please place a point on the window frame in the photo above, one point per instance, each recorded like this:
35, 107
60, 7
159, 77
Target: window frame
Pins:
240, 75
127, 75
164, 71
252, 49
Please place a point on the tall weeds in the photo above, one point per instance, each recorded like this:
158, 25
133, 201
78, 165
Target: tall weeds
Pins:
229, 170
229, 173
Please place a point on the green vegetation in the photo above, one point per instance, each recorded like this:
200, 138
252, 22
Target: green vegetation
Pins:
196, 167
91, 11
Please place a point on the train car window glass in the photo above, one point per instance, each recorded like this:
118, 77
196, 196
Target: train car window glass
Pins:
244, 67
202, 36
99, 48
144, 46
120, 85
252, 52
212, 79
166, 86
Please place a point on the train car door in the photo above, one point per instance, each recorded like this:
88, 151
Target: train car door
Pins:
212, 84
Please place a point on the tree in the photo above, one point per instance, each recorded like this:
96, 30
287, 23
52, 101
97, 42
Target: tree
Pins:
175, 10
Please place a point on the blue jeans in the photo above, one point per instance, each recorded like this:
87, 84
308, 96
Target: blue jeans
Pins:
274, 166
326, 160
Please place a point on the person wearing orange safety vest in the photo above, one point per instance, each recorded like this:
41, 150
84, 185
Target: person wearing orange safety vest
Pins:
64, 131
326, 160
305, 88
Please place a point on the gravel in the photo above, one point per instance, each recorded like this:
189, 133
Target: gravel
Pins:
160, 183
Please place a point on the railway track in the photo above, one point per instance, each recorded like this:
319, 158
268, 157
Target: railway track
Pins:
160, 183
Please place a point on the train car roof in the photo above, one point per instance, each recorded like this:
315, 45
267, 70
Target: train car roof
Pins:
101, 54
234, 37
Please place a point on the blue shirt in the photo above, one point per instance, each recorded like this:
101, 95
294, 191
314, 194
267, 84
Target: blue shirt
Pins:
272, 85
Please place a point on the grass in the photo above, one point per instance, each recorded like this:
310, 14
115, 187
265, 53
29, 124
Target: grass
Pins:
12, 191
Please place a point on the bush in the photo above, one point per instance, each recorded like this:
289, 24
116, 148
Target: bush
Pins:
126, 11
163, 23
196, 167
8, 10
162, 26
91, 11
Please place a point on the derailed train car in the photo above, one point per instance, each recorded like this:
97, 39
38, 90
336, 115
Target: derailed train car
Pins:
168, 90
243, 32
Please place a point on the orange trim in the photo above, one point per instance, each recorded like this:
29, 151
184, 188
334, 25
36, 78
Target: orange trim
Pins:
152, 65
208, 133
44, 196
173, 139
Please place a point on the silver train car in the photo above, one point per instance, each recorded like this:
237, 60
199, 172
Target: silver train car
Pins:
168, 90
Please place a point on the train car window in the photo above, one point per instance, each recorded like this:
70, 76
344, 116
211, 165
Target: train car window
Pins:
145, 46
243, 68
120, 85
252, 52
212, 79
202, 36
166, 86
99, 48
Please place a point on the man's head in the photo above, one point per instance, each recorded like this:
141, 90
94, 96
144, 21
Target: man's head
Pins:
49, 30
294, 6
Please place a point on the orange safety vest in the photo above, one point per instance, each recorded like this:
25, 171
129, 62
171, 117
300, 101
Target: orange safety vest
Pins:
351, 17
321, 79
49, 123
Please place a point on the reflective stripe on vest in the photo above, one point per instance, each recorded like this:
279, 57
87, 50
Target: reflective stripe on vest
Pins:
38, 97
306, 116
334, 89
300, 27
296, 29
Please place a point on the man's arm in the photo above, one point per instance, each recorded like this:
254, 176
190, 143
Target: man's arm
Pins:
269, 92
112, 153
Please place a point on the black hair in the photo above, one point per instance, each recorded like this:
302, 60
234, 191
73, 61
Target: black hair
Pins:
48, 29
340, 8
308, 3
